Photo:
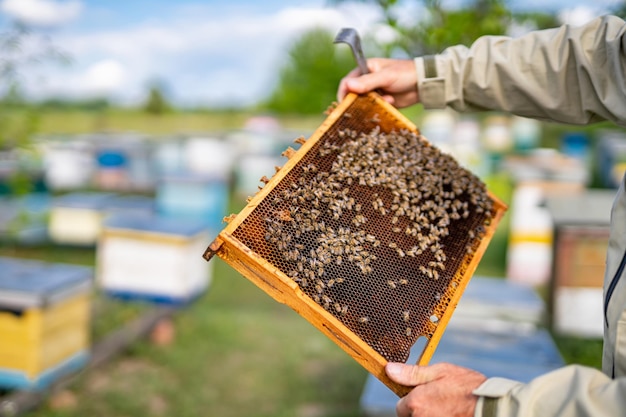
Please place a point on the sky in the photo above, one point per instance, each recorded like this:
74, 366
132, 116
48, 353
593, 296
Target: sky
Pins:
204, 53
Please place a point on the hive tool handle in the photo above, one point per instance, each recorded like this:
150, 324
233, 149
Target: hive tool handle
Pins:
351, 37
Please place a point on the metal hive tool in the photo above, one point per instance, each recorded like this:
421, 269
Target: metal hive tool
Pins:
368, 231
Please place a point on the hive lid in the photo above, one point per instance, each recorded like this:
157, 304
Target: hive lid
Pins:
84, 200
28, 283
175, 226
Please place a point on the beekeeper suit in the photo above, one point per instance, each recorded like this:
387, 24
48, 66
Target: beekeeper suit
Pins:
568, 74
572, 75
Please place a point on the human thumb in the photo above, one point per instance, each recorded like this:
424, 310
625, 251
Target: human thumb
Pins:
410, 375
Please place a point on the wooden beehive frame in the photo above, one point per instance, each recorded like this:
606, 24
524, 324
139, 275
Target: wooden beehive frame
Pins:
284, 290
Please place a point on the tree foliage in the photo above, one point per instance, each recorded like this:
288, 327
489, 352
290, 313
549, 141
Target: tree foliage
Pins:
435, 27
307, 84
156, 103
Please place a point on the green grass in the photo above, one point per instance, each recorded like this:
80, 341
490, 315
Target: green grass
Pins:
74, 122
237, 352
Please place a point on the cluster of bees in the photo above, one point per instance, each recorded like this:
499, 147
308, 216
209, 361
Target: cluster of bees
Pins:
362, 196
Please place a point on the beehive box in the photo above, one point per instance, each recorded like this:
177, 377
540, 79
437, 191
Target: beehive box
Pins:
195, 196
68, 165
368, 231
153, 258
581, 239
44, 321
76, 218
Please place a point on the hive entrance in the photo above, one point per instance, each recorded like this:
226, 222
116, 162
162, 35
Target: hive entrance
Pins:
368, 231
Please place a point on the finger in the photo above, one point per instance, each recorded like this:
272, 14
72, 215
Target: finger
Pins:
412, 375
343, 90
402, 408
366, 83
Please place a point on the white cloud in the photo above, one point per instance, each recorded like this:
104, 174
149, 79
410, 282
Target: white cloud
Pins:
103, 77
42, 12
204, 58
577, 16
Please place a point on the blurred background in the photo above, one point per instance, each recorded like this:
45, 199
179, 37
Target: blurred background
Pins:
128, 130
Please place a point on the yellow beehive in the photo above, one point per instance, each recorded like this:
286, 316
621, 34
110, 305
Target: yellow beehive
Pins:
44, 321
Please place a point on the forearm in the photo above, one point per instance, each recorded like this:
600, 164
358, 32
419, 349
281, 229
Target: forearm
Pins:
573, 391
571, 75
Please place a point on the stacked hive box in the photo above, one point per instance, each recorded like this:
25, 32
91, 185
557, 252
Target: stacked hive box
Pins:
581, 230
44, 321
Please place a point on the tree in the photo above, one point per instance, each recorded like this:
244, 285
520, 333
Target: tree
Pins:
20, 50
156, 103
308, 82
438, 27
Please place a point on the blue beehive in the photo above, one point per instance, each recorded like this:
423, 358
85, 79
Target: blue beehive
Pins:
193, 196
44, 321
24, 219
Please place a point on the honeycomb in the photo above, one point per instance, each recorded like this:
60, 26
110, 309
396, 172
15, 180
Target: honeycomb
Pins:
374, 227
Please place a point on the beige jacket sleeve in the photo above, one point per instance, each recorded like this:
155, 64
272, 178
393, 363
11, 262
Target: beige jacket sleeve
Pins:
568, 74
572, 75
567, 392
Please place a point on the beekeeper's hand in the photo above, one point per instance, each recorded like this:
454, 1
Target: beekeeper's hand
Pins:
442, 389
394, 79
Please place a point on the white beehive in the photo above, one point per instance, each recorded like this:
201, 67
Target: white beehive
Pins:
153, 258
76, 218
68, 166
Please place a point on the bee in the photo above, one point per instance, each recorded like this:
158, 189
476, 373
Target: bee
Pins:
408, 331
400, 252
403, 281
393, 245
364, 319
406, 315
330, 283
338, 307
435, 274
339, 280
391, 284
339, 260
344, 310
